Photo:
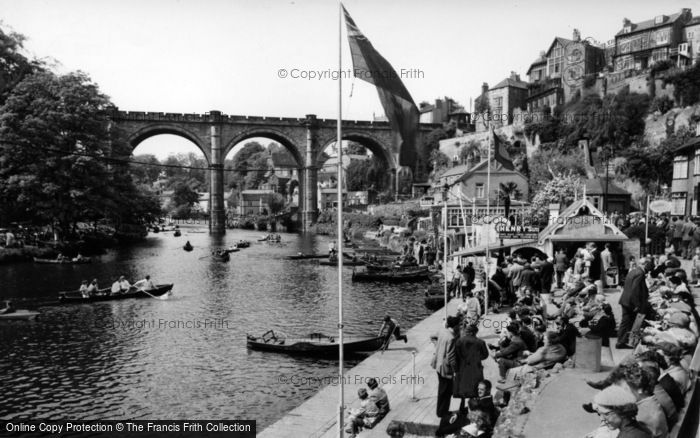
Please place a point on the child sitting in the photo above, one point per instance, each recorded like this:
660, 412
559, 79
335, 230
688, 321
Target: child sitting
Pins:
367, 409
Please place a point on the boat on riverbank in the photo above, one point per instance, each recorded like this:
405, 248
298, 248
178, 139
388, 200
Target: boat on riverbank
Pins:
66, 261
394, 276
106, 295
19, 314
345, 263
315, 344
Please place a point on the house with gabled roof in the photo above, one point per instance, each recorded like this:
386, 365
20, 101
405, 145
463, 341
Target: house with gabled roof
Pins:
639, 45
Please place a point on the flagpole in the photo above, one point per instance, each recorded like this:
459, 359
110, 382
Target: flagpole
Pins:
486, 229
339, 142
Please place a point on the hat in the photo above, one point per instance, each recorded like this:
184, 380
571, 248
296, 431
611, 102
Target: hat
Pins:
614, 396
372, 383
679, 319
387, 318
452, 321
362, 392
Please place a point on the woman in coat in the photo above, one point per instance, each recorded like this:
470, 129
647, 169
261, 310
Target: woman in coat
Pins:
469, 352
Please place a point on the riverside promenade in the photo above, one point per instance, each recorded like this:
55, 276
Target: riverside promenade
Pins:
412, 395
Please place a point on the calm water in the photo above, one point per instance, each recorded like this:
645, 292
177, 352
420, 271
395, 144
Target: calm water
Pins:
124, 360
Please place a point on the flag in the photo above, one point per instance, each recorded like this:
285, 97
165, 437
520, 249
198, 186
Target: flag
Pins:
398, 105
500, 153
588, 158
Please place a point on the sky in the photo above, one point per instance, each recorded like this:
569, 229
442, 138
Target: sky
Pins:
193, 56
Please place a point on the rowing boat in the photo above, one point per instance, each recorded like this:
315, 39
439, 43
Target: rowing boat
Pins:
345, 263
19, 314
315, 344
392, 276
66, 261
106, 295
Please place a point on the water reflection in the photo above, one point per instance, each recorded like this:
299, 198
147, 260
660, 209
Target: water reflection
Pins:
184, 357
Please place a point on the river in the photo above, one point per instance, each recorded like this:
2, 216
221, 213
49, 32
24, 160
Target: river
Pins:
184, 357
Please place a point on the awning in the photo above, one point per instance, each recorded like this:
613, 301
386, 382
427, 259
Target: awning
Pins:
481, 250
598, 238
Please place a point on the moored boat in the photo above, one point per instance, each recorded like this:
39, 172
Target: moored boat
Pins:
64, 261
19, 314
242, 244
315, 344
345, 263
398, 276
106, 295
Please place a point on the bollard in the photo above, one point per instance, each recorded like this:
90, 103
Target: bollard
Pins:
413, 377
588, 350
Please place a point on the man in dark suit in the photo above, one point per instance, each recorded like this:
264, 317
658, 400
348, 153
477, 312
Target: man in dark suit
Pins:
595, 272
634, 300
443, 361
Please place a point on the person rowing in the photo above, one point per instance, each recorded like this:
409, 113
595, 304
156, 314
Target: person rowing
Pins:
145, 284
9, 308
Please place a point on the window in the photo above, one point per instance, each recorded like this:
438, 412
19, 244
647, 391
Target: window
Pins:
696, 163
678, 203
479, 190
680, 167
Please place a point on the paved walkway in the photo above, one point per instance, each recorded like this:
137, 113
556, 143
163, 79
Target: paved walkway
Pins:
413, 400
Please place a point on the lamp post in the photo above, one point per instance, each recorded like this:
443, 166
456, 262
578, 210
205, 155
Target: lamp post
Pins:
445, 190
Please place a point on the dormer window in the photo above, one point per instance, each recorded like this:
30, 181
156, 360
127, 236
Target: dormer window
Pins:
659, 19
627, 29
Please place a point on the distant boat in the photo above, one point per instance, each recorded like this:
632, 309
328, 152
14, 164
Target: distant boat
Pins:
106, 295
188, 246
315, 344
232, 248
243, 244
271, 238
435, 296
64, 261
19, 314
223, 257
177, 233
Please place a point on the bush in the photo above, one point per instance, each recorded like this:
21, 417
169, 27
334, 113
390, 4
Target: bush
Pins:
661, 104
660, 66
589, 81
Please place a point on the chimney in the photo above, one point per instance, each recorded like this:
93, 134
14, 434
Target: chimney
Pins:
484, 88
514, 76
542, 53
626, 22
577, 35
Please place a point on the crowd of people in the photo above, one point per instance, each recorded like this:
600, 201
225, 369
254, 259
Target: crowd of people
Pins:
659, 322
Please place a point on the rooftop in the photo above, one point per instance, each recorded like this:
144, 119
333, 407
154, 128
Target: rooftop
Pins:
596, 186
651, 24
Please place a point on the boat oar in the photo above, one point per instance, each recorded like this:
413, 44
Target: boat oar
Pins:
201, 258
162, 297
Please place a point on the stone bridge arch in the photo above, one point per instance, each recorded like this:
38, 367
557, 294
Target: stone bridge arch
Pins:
216, 134
148, 131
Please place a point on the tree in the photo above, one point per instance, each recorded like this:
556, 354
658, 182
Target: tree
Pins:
470, 152
653, 166
356, 175
356, 149
184, 195
508, 191
276, 203
547, 163
561, 189
258, 164
14, 66
148, 172
54, 141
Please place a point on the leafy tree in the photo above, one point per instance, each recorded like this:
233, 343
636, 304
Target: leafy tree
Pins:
546, 164
184, 195
356, 175
51, 162
276, 203
14, 66
356, 149
259, 165
470, 151
145, 173
653, 166
561, 189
